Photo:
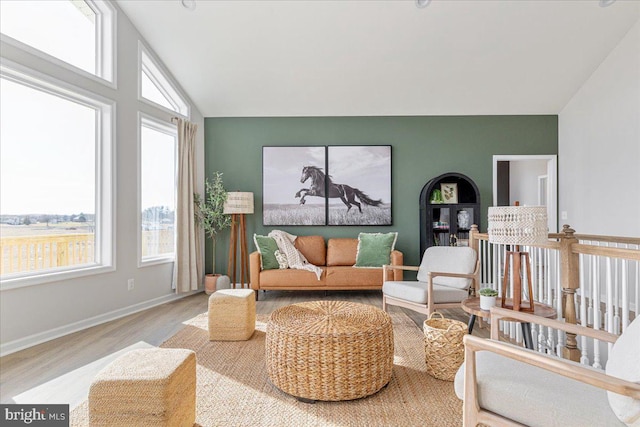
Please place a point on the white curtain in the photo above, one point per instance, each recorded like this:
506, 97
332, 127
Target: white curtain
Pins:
187, 272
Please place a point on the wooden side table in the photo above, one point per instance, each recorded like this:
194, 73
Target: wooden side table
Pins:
472, 306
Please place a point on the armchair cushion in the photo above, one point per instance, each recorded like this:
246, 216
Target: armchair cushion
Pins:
417, 292
624, 363
536, 397
451, 260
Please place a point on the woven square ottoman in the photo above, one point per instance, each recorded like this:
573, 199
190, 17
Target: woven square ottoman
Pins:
146, 387
232, 315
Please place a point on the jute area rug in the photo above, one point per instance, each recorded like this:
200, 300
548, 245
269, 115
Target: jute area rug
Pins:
233, 388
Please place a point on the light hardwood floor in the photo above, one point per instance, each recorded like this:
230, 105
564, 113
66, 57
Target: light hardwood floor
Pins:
61, 370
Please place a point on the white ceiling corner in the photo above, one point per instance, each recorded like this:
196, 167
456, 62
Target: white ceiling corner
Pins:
381, 57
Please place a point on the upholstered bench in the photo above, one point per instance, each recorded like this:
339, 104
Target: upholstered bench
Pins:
146, 387
232, 315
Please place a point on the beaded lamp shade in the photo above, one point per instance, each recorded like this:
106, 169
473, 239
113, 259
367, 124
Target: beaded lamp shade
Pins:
518, 225
239, 202
515, 226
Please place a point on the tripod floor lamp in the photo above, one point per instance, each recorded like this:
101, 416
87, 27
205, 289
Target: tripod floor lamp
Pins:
238, 205
515, 226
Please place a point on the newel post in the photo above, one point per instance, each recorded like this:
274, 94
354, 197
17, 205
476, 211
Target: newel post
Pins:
570, 281
473, 237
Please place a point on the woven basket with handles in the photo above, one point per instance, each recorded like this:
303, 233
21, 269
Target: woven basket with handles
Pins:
444, 349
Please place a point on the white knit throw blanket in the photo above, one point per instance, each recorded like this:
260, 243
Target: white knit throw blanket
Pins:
295, 259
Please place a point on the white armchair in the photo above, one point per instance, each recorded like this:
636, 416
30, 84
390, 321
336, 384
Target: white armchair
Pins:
505, 385
445, 276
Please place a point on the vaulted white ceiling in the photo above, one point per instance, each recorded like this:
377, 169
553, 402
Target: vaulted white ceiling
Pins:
381, 57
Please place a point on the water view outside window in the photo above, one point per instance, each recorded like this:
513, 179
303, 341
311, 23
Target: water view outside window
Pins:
63, 29
157, 190
48, 178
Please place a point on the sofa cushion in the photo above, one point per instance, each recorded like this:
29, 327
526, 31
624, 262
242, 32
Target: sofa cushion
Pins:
417, 292
313, 248
292, 278
450, 259
350, 277
267, 247
512, 389
624, 363
374, 249
341, 252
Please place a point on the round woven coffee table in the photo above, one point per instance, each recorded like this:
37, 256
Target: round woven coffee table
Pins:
329, 350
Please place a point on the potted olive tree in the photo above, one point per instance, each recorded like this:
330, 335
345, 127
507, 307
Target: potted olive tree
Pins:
487, 298
210, 216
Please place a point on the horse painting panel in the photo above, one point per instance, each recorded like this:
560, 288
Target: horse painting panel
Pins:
360, 195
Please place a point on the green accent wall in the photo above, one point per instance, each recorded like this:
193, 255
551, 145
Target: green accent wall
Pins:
422, 148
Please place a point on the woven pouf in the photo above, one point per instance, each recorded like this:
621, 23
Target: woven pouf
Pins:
232, 315
329, 350
147, 387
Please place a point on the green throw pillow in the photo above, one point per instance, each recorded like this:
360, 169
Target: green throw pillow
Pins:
267, 247
374, 249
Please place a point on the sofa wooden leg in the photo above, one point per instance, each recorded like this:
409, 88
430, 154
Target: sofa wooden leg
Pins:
257, 293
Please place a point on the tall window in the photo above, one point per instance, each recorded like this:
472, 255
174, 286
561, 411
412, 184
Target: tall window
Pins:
157, 88
76, 32
158, 142
55, 147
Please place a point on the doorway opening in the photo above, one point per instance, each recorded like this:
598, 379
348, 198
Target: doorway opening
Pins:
531, 180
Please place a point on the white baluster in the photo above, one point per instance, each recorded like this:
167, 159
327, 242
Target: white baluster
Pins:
592, 279
596, 314
637, 287
584, 356
616, 296
559, 306
625, 294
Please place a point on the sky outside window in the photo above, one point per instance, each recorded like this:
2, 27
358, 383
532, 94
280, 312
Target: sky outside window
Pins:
47, 153
63, 29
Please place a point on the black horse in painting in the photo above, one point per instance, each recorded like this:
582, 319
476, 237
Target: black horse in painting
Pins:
320, 182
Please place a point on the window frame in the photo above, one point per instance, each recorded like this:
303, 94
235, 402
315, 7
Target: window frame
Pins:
156, 74
106, 29
170, 129
105, 243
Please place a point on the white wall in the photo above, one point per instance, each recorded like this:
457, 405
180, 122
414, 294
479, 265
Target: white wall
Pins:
523, 181
599, 147
33, 314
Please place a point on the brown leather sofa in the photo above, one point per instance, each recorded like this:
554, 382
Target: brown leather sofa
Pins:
337, 259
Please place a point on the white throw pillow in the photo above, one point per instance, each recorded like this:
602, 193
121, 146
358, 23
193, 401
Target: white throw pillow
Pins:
624, 363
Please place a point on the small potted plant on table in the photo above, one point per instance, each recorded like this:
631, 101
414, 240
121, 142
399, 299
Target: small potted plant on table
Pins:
487, 298
209, 214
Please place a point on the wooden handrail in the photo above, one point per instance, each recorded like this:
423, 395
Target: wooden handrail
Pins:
588, 237
623, 253
610, 239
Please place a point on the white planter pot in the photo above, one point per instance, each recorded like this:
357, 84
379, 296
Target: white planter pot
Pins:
487, 302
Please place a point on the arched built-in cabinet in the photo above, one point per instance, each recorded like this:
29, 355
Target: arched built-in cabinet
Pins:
445, 223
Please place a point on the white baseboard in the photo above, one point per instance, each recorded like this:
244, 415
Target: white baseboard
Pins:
40, 337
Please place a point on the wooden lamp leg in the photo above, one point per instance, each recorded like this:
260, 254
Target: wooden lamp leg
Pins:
515, 258
527, 271
244, 256
233, 247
